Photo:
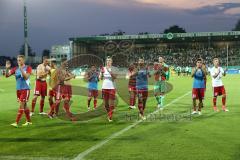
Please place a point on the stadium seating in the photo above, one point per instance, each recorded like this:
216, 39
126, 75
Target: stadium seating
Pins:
186, 57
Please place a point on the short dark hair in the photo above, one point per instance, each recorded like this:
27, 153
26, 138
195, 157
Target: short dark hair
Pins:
199, 59
44, 57
21, 56
54, 61
215, 59
63, 60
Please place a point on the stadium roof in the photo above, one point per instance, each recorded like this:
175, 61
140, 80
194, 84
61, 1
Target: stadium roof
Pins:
230, 35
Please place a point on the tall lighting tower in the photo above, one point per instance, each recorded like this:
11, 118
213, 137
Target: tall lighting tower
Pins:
25, 29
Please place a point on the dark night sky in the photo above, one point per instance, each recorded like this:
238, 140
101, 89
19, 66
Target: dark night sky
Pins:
54, 21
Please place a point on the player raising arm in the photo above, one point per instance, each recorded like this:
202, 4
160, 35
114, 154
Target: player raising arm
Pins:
217, 73
108, 87
198, 90
22, 74
132, 71
41, 85
64, 89
52, 85
161, 74
204, 67
142, 87
92, 76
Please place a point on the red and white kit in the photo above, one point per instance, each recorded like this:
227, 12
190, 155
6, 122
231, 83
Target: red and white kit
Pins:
41, 84
218, 87
108, 90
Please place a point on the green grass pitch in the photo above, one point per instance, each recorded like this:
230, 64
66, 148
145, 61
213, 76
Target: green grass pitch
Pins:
211, 136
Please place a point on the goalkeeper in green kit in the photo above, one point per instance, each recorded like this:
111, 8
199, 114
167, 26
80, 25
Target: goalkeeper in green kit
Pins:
161, 75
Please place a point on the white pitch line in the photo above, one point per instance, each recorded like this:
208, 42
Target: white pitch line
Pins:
99, 145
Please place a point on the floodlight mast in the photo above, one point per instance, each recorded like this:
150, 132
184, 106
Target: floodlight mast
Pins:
25, 30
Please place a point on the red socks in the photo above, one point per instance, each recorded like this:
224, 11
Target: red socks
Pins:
19, 115
33, 104
52, 108
95, 103
89, 101
140, 107
41, 105
57, 108
67, 109
214, 101
27, 114
132, 100
50, 102
223, 100
110, 112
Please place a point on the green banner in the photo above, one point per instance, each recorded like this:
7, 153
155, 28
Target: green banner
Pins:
174, 35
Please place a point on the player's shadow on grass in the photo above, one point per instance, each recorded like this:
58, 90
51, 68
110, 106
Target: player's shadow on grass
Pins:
78, 138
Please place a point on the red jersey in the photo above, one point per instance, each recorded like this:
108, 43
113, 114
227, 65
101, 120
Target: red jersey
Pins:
132, 77
160, 72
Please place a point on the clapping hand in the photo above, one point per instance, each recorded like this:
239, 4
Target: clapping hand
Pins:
8, 65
